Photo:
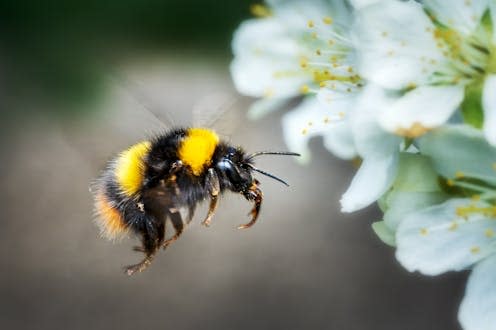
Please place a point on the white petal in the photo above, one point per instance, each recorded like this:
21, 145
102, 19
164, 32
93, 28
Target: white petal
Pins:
478, 307
396, 47
266, 60
461, 15
338, 100
339, 141
436, 240
427, 106
371, 140
489, 105
310, 119
372, 180
357, 4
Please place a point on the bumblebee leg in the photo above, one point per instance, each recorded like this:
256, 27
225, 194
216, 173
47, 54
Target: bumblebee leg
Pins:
213, 186
191, 213
255, 195
160, 231
211, 211
178, 224
152, 236
139, 267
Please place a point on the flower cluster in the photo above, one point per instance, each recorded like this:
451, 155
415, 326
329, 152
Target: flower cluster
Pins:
409, 88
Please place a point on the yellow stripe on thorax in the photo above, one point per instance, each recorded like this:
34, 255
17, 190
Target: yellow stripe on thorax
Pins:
130, 168
197, 149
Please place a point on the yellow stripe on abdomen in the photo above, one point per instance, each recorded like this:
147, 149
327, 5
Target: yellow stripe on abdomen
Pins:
197, 148
130, 168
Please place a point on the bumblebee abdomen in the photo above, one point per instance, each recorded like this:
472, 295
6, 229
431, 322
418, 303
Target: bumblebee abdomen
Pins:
130, 168
110, 220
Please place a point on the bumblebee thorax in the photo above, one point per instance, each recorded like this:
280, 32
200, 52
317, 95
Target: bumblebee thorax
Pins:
197, 148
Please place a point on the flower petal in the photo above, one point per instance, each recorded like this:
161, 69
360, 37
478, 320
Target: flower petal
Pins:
371, 181
477, 310
370, 139
421, 109
396, 48
266, 60
459, 150
339, 141
436, 240
489, 105
357, 4
461, 15
311, 119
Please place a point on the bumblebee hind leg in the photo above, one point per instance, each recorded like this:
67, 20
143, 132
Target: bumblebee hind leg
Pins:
152, 237
177, 223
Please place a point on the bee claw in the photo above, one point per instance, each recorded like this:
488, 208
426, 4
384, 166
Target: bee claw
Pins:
130, 270
206, 223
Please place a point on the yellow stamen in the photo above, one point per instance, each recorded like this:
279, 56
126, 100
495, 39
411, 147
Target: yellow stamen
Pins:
453, 226
327, 20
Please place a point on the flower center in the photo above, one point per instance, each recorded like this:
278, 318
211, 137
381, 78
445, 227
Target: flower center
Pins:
330, 59
468, 57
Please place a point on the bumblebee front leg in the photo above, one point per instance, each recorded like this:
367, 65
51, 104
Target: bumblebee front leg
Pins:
213, 186
253, 194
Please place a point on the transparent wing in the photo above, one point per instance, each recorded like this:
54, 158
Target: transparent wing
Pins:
219, 111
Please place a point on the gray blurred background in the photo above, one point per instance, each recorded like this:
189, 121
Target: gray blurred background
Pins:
303, 266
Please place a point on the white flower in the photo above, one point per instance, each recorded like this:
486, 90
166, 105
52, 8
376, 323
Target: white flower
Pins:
272, 53
378, 149
461, 232
438, 56
310, 119
301, 48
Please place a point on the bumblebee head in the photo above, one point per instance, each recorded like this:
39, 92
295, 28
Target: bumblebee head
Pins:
236, 167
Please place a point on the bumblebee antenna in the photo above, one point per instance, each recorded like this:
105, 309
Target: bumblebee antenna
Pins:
283, 153
267, 174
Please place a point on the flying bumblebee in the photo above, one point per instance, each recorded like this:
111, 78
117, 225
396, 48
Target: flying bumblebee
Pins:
149, 183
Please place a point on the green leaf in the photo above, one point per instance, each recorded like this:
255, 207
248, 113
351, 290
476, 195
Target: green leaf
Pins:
459, 149
384, 233
416, 174
472, 105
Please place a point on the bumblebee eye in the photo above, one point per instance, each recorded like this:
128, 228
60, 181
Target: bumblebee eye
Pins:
230, 152
230, 170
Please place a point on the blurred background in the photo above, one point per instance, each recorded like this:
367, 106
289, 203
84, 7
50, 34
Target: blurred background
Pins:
76, 78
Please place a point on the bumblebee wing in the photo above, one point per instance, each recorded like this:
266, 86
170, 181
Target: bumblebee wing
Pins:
218, 111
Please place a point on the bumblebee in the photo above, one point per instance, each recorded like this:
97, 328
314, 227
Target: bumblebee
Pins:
152, 181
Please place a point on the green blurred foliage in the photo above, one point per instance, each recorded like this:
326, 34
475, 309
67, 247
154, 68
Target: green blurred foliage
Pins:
59, 50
